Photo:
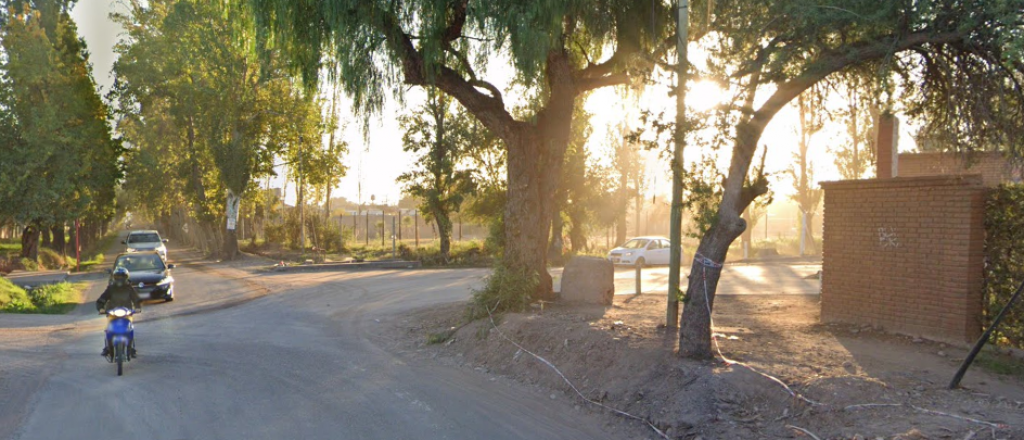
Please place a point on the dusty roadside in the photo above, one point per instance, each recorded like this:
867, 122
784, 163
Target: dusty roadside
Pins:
860, 383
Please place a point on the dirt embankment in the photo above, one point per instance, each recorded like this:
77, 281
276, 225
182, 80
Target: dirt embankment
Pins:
849, 382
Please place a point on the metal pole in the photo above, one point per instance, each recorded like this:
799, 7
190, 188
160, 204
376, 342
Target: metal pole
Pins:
638, 280
78, 248
676, 219
416, 226
302, 212
983, 339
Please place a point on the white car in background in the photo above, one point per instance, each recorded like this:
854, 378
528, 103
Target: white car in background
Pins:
147, 240
641, 251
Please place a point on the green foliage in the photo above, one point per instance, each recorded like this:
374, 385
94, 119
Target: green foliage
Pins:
364, 41
440, 136
506, 289
12, 294
50, 259
1004, 268
207, 111
58, 161
30, 265
50, 299
462, 254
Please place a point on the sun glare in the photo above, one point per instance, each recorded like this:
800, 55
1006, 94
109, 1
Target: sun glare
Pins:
704, 95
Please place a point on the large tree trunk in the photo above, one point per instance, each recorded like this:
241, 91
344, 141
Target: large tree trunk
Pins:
695, 327
444, 233
59, 240
44, 232
528, 215
577, 237
30, 242
232, 208
557, 245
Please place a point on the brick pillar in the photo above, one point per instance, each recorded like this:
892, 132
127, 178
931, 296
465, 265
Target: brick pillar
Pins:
888, 148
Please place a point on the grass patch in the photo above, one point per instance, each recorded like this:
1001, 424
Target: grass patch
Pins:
10, 246
94, 255
506, 289
51, 299
1000, 363
11, 294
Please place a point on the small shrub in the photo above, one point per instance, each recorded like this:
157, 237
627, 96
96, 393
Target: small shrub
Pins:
1004, 261
506, 289
275, 234
51, 299
11, 293
29, 265
50, 259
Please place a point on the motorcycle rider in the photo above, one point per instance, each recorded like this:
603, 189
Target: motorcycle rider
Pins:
120, 293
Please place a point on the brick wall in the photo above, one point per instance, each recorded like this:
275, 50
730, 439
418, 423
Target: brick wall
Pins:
905, 254
993, 167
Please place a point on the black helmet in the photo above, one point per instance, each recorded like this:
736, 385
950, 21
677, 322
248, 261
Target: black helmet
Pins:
120, 274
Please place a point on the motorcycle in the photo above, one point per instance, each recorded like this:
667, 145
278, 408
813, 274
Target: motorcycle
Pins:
120, 335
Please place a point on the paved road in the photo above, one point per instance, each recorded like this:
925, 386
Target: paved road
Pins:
282, 356
737, 279
275, 356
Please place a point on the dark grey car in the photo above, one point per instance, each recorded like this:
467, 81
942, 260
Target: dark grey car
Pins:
148, 272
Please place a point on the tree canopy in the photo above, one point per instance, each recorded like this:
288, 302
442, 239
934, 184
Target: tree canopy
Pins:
201, 103
58, 160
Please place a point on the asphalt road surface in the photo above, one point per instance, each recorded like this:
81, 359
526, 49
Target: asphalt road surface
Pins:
274, 356
766, 278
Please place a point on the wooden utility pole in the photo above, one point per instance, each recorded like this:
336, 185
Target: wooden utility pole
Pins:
676, 219
416, 226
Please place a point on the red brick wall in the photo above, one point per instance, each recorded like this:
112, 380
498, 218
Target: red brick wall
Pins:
905, 254
993, 168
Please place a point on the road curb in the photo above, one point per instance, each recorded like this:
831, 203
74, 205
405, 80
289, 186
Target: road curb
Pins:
349, 266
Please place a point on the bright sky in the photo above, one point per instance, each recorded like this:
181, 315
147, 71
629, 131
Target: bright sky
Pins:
377, 160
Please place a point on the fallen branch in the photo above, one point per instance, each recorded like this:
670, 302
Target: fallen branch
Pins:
869, 405
567, 381
804, 431
966, 419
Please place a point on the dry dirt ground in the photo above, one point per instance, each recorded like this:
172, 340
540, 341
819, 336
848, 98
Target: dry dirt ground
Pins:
859, 383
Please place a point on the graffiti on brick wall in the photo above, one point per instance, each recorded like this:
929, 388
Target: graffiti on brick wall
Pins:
887, 238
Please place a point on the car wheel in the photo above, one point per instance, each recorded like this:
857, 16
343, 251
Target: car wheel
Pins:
640, 262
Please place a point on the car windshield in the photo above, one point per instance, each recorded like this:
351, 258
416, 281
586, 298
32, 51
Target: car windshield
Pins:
144, 238
635, 243
140, 262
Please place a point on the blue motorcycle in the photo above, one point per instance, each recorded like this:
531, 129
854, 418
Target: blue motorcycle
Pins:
120, 336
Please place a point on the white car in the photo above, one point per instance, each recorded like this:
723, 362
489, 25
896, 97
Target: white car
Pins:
148, 240
641, 251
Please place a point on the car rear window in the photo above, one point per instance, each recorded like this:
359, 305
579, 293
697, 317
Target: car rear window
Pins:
140, 262
635, 244
143, 238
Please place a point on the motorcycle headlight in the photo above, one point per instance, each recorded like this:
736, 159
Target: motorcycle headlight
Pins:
119, 312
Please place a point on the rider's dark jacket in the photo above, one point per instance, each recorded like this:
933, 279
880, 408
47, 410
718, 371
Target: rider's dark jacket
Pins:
116, 295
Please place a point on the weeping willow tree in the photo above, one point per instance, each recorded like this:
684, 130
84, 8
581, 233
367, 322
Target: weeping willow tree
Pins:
559, 50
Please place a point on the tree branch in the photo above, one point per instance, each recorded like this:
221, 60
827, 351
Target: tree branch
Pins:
836, 60
490, 110
615, 79
454, 29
